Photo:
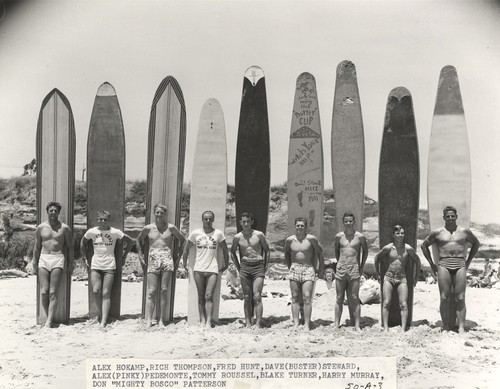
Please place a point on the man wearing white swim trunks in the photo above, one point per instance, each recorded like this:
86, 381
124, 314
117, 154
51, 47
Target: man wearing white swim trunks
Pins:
159, 237
52, 256
304, 258
206, 240
103, 264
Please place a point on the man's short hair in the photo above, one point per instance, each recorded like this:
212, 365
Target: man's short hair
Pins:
246, 214
348, 214
449, 208
161, 207
300, 219
103, 213
213, 214
53, 204
397, 228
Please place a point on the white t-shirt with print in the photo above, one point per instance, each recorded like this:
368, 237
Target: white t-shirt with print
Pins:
206, 249
104, 243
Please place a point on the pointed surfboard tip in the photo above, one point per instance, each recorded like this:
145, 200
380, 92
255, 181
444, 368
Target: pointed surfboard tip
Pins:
306, 75
449, 98
106, 89
212, 102
169, 80
254, 74
346, 68
61, 95
399, 92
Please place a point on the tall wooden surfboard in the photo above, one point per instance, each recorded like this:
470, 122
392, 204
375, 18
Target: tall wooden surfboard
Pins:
398, 190
106, 179
305, 158
55, 156
348, 147
252, 172
448, 169
208, 191
166, 151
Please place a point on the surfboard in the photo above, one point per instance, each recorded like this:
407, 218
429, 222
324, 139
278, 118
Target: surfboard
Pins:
106, 180
208, 192
165, 175
399, 185
55, 179
252, 170
449, 168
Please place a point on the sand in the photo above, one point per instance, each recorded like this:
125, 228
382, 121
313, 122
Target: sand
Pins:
34, 357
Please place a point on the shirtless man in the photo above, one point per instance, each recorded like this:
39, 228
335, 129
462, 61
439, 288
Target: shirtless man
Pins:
52, 256
160, 238
452, 242
303, 253
206, 241
348, 247
397, 257
103, 264
254, 255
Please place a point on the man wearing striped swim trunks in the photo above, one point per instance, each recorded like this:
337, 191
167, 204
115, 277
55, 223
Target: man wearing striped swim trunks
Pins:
452, 242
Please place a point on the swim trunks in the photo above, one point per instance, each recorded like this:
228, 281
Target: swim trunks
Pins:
205, 274
103, 272
50, 262
160, 260
395, 278
252, 270
452, 264
347, 271
302, 273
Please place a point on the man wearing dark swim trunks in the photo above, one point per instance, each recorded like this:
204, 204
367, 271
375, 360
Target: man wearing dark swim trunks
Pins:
254, 255
304, 258
452, 242
348, 247
161, 259
396, 257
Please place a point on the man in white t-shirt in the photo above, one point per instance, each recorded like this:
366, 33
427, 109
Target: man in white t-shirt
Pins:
103, 263
206, 240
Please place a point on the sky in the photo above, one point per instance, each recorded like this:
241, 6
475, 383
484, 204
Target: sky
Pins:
75, 46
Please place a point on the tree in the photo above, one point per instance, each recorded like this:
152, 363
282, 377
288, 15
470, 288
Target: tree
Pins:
30, 168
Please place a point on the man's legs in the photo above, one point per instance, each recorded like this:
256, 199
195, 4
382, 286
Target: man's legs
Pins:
340, 288
49, 285
386, 304
445, 285
96, 280
44, 280
199, 279
166, 277
107, 285
295, 289
152, 280
258, 284
353, 301
307, 290
209, 297
403, 304
247, 287
460, 283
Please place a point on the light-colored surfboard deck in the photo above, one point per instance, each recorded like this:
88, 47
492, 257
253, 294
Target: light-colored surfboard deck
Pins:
449, 166
106, 179
399, 186
55, 156
208, 192
348, 147
252, 170
305, 158
166, 151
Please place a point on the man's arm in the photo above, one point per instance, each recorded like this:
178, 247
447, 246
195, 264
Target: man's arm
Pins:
265, 249
140, 245
178, 235
128, 243
70, 251
288, 254
223, 246
318, 251
379, 256
37, 249
364, 255
185, 253
83, 250
472, 239
234, 249
413, 256
429, 241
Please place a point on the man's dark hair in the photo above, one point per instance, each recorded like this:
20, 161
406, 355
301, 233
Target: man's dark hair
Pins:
347, 214
246, 214
213, 214
53, 204
300, 219
449, 208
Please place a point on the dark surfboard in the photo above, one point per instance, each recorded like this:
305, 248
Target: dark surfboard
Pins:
55, 178
252, 173
106, 179
399, 180
165, 175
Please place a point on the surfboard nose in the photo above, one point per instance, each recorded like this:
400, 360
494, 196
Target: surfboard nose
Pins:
254, 74
106, 89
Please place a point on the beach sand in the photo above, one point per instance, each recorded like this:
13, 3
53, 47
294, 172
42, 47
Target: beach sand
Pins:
34, 357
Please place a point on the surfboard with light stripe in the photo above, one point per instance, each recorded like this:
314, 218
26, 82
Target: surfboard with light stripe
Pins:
165, 171
55, 157
106, 179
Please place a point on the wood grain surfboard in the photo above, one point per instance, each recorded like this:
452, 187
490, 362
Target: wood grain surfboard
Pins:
305, 158
399, 185
165, 171
208, 191
106, 179
252, 171
55, 178
449, 166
